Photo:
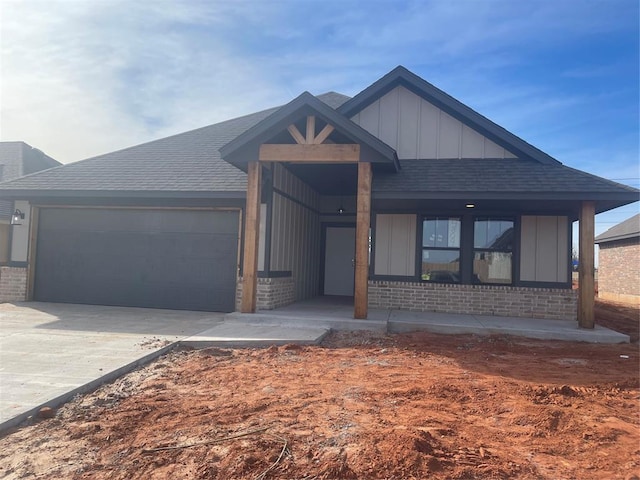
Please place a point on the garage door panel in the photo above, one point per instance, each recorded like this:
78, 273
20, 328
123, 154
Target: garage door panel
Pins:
100, 256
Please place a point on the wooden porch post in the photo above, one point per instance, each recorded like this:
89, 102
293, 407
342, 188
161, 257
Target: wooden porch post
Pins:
363, 218
586, 283
251, 237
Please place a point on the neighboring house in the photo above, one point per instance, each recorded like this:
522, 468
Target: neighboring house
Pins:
17, 159
619, 262
401, 197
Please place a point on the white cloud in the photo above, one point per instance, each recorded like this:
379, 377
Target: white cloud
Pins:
81, 77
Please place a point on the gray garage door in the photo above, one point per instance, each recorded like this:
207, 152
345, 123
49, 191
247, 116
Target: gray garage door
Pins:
176, 259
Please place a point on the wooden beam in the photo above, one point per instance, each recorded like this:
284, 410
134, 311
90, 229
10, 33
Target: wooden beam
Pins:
31, 252
325, 153
295, 133
251, 237
363, 219
311, 129
324, 133
586, 282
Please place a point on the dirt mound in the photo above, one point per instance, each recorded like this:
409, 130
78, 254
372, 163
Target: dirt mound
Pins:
362, 405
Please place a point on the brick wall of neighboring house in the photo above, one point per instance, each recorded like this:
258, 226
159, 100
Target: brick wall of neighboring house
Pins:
272, 293
13, 284
619, 270
546, 303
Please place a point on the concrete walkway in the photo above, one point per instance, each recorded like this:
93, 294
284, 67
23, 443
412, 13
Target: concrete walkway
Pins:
51, 352
337, 313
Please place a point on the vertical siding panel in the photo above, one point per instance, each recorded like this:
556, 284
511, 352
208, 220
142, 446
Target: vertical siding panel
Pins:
449, 138
409, 116
275, 237
389, 118
381, 266
370, 118
262, 236
472, 143
528, 248
563, 253
547, 249
491, 150
275, 218
281, 233
395, 244
396, 253
304, 266
294, 248
429, 130
418, 129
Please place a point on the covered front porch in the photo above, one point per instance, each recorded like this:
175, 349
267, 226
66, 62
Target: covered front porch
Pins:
337, 313
477, 236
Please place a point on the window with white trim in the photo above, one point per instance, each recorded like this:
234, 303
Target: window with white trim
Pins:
493, 240
441, 249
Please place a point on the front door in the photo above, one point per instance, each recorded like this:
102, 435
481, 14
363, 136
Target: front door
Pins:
339, 260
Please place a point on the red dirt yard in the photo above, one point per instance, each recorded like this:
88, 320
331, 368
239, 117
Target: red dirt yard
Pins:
361, 405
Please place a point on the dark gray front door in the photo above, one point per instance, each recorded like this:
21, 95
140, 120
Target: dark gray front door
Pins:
175, 259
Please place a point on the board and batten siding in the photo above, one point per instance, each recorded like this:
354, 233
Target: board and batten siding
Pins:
295, 232
417, 129
395, 247
544, 250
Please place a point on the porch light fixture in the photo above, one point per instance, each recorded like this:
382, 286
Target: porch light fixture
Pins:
16, 217
470, 205
341, 210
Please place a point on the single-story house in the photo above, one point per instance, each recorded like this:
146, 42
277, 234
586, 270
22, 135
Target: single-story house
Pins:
619, 262
400, 197
17, 159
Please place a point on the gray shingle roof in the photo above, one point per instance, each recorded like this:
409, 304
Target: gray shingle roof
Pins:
630, 228
503, 176
187, 162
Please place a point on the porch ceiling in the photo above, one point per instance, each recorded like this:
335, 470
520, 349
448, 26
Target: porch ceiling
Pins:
338, 179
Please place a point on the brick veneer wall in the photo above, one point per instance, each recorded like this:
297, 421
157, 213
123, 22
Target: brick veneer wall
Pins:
13, 284
619, 268
548, 303
272, 292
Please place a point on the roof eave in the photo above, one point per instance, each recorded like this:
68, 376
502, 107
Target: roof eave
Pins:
617, 238
29, 194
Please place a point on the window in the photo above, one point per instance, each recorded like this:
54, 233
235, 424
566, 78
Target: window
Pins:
441, 249
493, 240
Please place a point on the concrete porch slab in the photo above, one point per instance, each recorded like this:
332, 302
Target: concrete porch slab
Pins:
307, 318
541, 329
242, 334
337, 314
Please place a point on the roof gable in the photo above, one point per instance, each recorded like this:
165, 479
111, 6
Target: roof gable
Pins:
245, 147
630, 228
419, 130
400, 76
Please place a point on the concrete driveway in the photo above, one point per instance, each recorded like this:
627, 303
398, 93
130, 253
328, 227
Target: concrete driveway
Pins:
52, 351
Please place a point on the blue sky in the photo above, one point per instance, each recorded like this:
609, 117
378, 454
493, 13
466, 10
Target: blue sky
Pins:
80, 78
